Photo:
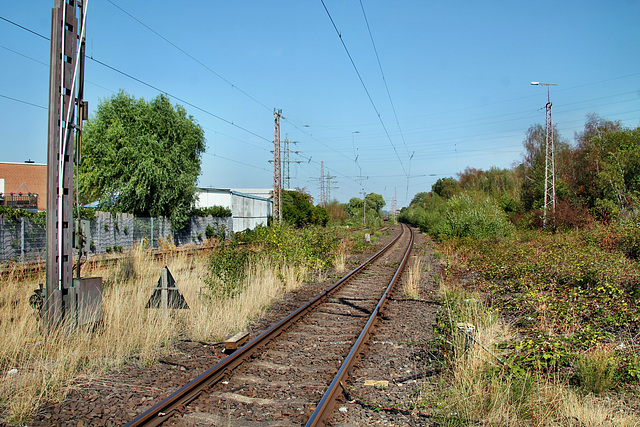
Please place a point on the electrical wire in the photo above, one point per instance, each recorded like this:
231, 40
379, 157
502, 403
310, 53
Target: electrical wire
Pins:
24, 102
365, 87
190, 56
384, 80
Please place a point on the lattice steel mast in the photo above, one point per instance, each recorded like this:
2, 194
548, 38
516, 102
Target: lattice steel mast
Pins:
550, 163
277, 170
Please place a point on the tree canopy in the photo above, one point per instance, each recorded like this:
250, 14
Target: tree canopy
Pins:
597, 177
298, 209
142, 157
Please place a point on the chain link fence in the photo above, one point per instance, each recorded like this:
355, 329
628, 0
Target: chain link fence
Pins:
25, 239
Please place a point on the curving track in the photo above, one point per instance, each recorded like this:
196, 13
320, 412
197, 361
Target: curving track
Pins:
292, 373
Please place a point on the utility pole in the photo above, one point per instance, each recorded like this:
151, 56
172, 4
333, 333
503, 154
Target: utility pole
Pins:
277, 171
64, 299
287, 161
364, 208
550, 163
64, 35
322, 184
329, 186
394, 205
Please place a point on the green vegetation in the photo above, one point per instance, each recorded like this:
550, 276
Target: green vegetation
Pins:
298, 209
142, 158
214, 211
306, 249
539, 326
17, 213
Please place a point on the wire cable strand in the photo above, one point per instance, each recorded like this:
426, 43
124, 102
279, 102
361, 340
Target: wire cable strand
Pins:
364, 86
190, 56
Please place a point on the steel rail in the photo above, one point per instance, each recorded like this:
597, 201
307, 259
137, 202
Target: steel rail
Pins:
178, 400
325, 407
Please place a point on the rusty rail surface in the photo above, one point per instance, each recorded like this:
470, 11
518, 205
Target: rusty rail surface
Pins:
325, 407
178, 401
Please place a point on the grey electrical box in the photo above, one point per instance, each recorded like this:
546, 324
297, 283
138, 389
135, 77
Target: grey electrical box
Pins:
85, 300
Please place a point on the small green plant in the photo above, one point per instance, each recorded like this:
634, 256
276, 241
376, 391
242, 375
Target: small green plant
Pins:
596, 370
214, 211
227, 265
216, 230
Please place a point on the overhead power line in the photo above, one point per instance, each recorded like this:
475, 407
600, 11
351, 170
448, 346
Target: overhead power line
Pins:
151, 86
179, 99
24, 102
190, 56
364, 86
383, 78
24, 28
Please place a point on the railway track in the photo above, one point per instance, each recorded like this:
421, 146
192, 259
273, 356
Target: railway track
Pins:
292, 373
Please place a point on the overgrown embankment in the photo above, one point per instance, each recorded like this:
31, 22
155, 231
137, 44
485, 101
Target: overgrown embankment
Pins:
541, 328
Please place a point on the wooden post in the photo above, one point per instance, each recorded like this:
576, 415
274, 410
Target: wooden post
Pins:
164, 292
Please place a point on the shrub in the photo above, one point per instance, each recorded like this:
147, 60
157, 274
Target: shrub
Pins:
214, 211
227, 266
479, 219
216, 230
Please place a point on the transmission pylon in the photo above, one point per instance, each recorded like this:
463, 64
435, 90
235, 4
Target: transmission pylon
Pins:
549, 161
322, 184
277, 170
394, 205
287, 161
328, 179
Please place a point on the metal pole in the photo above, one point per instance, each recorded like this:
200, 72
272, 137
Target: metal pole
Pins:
277, 171
550, 166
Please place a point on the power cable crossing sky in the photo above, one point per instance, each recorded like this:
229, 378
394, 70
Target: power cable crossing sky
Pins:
456, 78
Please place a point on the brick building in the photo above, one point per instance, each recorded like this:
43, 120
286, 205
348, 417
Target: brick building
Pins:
23, 185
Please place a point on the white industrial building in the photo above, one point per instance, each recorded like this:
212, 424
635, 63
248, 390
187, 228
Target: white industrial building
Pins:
249, 207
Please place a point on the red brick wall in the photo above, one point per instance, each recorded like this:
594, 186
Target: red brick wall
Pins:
32, 175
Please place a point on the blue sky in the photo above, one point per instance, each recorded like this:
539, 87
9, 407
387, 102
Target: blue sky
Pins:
458, 75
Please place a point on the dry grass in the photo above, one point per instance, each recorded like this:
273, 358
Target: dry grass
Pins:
35, 369
411, 279
478, 389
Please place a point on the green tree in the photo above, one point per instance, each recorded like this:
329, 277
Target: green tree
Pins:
298, 209
375, 202
588, 157
354, 207
142, 157
420, 199
445, 187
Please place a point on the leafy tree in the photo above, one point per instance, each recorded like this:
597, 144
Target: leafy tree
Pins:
298, 209
142, 157
420, 199
375, 202
354, 208
336, 212
445, 187
588, 157
619, 172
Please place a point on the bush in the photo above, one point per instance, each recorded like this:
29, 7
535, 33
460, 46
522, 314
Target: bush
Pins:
461, 216
216, 230
227, 265
479, 219
214, 211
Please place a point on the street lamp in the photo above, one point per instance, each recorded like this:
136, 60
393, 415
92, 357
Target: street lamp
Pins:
550, 166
